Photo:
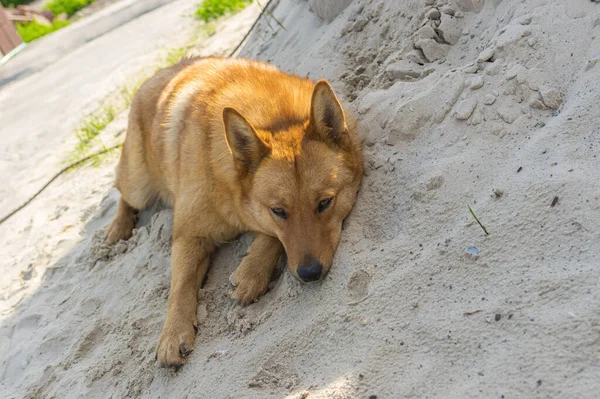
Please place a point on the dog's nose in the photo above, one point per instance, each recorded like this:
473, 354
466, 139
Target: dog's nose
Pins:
310, 271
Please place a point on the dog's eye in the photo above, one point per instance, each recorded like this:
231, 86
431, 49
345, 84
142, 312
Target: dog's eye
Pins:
279, 212
324, 204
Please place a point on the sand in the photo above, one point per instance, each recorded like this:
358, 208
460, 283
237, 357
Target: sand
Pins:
492, 104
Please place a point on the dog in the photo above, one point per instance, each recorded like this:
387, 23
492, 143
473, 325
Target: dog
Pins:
234, 146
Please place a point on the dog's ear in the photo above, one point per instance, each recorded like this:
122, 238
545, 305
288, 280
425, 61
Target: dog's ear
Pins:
327, 120
245, 145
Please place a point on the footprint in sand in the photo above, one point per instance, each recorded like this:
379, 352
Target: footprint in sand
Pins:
358, 285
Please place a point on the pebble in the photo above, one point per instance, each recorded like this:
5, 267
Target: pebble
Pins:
403, 70
498, 193
511, 74
449, 29
536, 102
526, 21
489, 99
497, 317
510, 113
494, 68
533, 85
465, 108
473, 68
360, 24
448, 10
476, 118
499, 131
486, 54
426, 32
552, 98
476, 82
432, 50
434, 13
531, 41
415, 56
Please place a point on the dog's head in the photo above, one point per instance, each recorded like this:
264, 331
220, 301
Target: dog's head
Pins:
301, 183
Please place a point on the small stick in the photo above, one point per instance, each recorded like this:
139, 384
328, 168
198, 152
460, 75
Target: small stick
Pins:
473, 312
66, 168
482, 226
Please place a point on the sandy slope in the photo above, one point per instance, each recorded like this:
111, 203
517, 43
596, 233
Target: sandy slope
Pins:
497, 108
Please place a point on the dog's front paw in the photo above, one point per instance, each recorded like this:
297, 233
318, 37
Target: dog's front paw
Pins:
176, 342
119, 229
248, 286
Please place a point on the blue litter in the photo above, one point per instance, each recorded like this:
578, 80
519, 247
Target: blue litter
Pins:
473, 251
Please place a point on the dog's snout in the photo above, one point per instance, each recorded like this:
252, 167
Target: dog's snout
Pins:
310, 271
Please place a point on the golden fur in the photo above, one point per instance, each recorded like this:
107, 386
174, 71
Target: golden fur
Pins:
234, 146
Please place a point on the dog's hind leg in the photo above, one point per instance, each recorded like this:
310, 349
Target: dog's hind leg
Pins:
134, 182
121, 227
253, 275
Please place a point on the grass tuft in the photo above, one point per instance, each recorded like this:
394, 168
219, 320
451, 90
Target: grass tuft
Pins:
14, 3
174, 55
69, 7
34, 30
93, 124
210, 10
90, 128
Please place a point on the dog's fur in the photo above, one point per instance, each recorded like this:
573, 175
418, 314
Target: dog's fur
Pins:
235, 145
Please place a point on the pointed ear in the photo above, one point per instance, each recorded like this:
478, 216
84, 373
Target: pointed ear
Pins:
327, 120
245, 145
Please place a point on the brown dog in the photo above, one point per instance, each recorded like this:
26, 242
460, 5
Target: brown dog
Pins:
234, 146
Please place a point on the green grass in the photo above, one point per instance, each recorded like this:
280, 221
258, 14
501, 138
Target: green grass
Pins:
34, 30
69, 7
93, 124
174, 54
14, 3
90, 128
31, 31
477, 220
212, 9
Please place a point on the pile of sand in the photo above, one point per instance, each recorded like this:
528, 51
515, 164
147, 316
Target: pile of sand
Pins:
489, 103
